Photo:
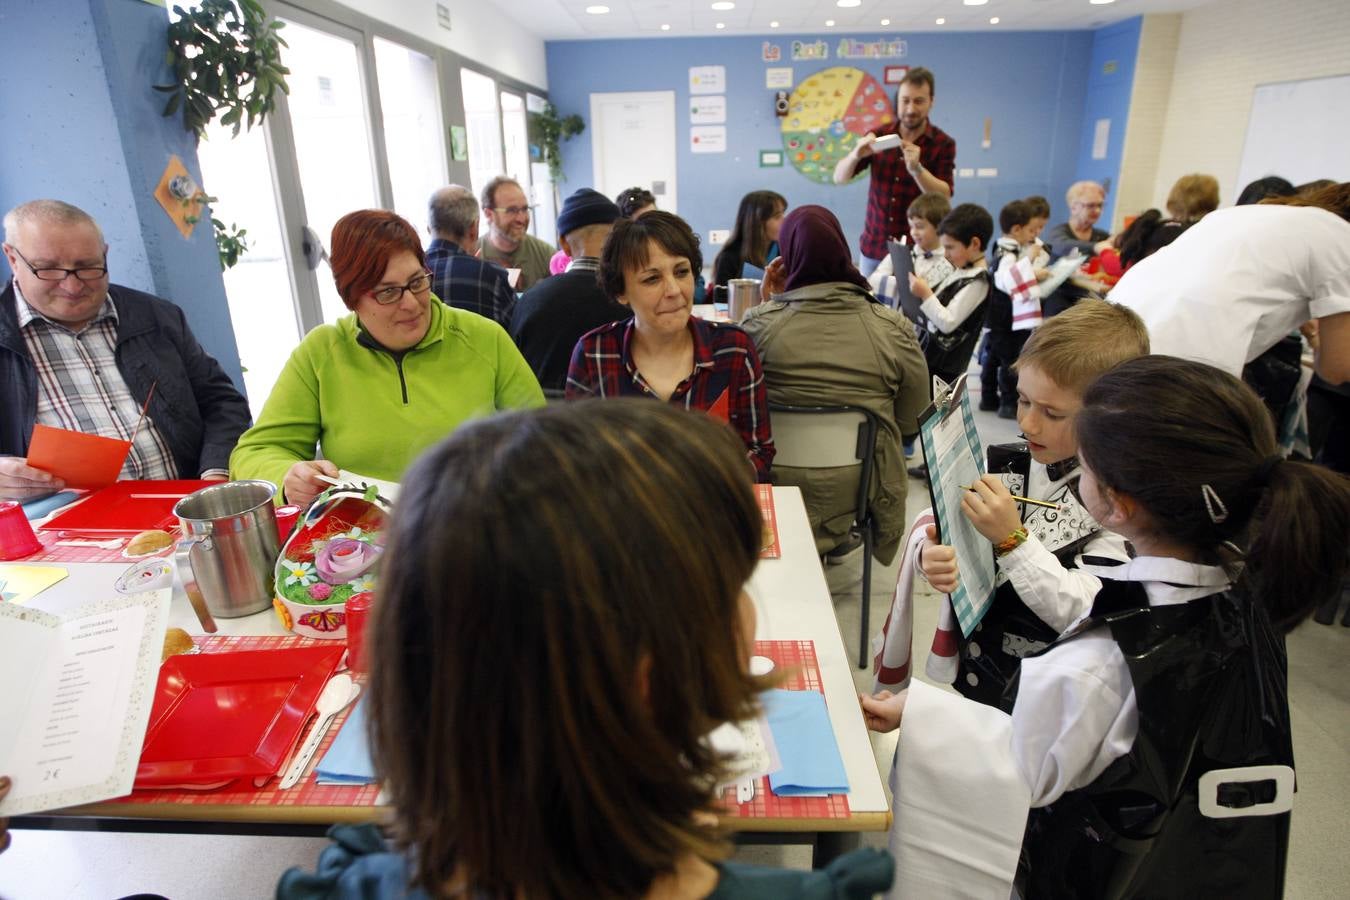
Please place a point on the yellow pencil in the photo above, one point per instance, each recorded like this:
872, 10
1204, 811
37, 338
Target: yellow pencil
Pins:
967, 487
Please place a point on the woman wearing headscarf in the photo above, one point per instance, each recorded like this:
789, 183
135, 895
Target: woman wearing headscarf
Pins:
824, 340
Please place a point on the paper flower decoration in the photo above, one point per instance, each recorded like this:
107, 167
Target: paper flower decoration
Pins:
344, 558
320, 591
363, 584
301, 573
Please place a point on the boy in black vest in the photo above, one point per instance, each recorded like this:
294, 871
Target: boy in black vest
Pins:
953, 311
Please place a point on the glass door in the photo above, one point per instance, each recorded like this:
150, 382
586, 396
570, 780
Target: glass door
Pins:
413, 137
330, 137
482, 123
258, 287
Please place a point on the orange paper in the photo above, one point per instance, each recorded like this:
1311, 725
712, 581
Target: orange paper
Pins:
86, 461
719, 410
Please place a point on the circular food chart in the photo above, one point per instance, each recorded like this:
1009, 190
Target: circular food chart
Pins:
827, 114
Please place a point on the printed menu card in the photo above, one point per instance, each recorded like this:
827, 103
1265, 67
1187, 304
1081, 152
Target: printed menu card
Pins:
77, 697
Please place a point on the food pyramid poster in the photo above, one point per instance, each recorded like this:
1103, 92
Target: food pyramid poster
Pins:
827, 114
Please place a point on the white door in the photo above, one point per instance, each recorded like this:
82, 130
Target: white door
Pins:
633, 144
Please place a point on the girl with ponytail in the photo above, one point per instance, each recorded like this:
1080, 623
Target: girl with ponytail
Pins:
1152, 738
1190, 788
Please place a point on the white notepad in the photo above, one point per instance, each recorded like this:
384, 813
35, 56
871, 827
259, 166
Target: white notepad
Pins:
76, 700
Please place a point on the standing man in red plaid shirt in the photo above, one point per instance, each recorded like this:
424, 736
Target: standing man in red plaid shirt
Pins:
925, 161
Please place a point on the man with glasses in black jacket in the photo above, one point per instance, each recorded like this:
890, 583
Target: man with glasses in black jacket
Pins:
79, 353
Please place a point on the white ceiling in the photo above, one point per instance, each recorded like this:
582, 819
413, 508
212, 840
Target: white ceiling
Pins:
568, 19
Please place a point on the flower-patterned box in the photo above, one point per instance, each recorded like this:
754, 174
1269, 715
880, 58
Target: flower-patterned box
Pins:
330, 557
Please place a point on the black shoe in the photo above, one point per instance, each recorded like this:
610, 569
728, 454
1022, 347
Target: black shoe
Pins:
989, 405
1007, 411
920, 472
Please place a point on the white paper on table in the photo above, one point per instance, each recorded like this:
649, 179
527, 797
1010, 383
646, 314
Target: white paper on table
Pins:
955, 458
388, 489
747, 748
76, 698
959, 799
1059, 272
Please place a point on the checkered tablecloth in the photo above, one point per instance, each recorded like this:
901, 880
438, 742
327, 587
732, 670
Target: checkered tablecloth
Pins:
770, 549
795, 659
308, 792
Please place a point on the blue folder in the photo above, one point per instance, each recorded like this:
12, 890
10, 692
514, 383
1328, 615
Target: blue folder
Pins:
348, 759
806, 746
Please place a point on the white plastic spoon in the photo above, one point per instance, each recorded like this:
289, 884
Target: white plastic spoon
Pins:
337, 693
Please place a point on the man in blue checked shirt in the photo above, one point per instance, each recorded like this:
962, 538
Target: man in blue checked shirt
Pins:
460, 279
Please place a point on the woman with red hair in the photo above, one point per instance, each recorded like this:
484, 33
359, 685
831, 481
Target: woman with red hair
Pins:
374, 389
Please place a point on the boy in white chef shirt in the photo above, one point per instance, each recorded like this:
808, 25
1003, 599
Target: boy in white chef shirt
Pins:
1040, 588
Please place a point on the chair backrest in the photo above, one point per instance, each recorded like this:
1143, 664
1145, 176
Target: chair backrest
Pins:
826, 437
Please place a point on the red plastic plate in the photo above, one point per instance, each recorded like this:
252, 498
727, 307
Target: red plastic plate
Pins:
219, 716
126, 507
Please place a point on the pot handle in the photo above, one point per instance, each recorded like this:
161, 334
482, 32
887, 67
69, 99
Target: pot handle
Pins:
182, 557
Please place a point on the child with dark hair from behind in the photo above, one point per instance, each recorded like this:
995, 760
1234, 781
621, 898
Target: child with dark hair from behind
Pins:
1019, 263
1041, 588
953, 310
1153, 737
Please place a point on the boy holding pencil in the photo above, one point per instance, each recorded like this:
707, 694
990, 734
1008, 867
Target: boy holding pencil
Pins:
1040, 590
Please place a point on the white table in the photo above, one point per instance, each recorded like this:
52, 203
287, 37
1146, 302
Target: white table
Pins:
793, 603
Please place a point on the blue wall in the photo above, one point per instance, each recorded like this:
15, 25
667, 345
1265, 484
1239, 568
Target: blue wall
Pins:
1031, 84
1110, 81
81, 123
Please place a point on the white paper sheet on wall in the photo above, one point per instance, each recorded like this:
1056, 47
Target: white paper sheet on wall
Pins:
708, 79
1101, 137
710, 109
708, 139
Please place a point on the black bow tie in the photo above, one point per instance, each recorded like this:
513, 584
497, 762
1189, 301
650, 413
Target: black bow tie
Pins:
1062, 469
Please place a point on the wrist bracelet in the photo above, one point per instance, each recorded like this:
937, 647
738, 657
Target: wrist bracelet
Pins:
1011, 542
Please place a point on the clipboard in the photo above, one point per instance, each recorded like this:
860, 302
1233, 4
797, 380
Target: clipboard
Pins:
902, 261
954, 455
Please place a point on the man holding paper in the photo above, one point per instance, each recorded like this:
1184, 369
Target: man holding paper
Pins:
81, 354
909, 157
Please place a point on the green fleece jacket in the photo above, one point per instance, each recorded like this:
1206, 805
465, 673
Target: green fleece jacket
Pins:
370, 411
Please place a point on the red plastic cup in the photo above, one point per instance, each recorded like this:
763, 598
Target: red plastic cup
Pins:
357, 608
286, 519
16, 534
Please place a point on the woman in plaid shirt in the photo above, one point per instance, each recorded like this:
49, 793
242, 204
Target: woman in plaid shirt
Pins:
663, 351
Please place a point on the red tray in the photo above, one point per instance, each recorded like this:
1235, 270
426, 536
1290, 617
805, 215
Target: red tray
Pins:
126, 508
222, 716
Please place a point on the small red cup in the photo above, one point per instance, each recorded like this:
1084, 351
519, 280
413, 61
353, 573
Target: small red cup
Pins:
286, 519
16, 534
357, 609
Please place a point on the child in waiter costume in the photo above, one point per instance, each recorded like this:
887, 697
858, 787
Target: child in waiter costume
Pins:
1041, 588
1152, 738
952, 312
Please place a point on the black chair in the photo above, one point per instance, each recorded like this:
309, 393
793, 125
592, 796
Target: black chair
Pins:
833, 437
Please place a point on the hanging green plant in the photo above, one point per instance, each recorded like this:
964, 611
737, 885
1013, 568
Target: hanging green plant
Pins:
230, 243
226, 59
550, 129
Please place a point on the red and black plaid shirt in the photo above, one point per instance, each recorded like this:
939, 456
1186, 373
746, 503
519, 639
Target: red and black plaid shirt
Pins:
727, 381
893, 189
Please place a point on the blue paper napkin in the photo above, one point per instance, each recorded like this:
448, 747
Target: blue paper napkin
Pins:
348, 759
40, 506
806, 745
